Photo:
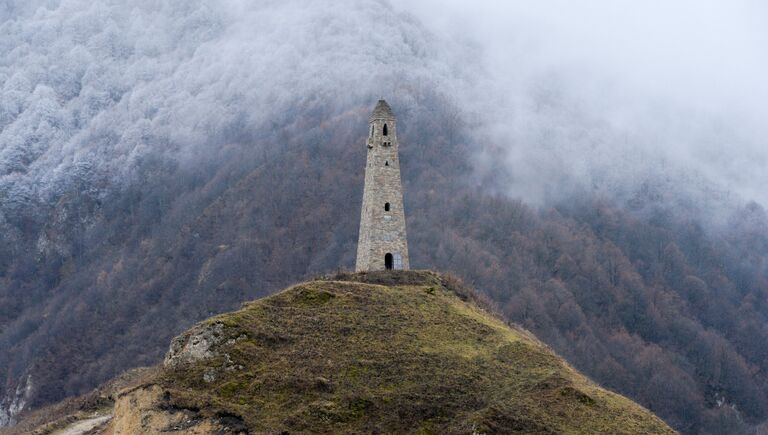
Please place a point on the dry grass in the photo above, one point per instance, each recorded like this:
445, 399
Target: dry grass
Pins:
391, 352
383, 352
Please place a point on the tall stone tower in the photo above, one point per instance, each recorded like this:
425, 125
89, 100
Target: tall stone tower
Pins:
382, 243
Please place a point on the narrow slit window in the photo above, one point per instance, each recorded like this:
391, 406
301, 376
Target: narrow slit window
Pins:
372, 127
386, 163
384, 132
386, 206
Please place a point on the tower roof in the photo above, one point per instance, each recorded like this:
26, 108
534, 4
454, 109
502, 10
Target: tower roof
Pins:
382, 110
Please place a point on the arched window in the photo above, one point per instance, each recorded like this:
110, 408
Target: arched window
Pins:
386, 163
388, 261
384, 132
386, 207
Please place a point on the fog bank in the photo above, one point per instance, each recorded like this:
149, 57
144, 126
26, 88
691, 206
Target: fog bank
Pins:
557, 97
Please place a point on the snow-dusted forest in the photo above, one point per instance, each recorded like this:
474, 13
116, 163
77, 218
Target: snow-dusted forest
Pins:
599, 171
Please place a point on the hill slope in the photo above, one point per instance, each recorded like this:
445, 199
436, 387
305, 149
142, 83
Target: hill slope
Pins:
406, 352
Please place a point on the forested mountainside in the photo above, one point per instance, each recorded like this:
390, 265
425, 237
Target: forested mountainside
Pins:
163, 161
639, 297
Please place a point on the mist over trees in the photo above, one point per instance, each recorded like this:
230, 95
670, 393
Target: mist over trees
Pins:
165, 161
643, 300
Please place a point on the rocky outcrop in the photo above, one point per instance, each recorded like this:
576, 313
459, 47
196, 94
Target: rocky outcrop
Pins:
14, 403
146, 410
203, 342
195, 345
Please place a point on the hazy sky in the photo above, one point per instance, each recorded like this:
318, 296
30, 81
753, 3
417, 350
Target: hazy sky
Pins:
702, 53
676, 85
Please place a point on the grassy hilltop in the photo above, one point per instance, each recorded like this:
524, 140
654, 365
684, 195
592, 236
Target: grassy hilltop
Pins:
399, 352
404, 352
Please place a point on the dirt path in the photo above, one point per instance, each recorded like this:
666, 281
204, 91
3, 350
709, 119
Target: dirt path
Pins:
83, 426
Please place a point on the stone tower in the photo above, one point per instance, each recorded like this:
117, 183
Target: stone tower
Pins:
382, 243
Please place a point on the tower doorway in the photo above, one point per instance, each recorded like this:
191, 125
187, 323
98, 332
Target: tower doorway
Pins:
388, 261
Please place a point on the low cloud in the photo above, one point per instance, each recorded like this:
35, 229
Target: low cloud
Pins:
557, 96
608, 95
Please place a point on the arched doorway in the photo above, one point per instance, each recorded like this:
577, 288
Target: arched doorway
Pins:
388, 261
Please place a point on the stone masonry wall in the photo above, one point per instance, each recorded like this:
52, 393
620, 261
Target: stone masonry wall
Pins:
382, 231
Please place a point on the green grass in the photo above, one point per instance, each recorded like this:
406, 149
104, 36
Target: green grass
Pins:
407, 352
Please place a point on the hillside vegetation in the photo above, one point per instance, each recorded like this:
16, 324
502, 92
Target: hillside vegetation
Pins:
638, 295
163, 161
380, 353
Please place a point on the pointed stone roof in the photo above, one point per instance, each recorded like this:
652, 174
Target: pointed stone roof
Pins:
382, 110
